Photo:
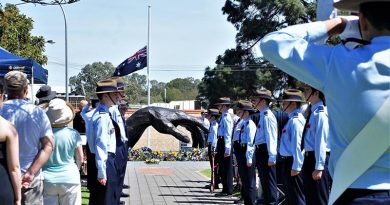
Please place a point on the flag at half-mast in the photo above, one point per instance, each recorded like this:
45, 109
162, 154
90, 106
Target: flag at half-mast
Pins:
132, 63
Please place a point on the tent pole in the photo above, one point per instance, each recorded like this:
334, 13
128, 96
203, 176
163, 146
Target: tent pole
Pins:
32, 84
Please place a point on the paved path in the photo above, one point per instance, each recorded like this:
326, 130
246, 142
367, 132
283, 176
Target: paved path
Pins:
169, 183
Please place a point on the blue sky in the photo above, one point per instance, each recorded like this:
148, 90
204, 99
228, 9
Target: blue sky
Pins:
186, 35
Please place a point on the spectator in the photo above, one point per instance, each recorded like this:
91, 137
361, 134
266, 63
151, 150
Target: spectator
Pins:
61, 174
9, 161
78, 121
44, 95
35, 135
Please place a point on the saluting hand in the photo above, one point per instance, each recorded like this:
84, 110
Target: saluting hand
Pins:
294, 173
102, 181
317, 174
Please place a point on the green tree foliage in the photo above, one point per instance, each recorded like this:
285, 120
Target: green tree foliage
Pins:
15, 35
88, 76
182, 89
238, 72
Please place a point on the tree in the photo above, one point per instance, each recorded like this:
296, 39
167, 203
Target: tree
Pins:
89, 76
182, 89
136, 88
16, 37
238, 71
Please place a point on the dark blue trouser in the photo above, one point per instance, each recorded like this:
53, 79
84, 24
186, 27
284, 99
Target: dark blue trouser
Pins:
99, 194
364, 197
225, 167
121, 154
247, 175
294, 184
316, 191
267, 175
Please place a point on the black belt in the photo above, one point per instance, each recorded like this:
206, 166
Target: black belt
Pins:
311, 153
258, 146
220, 137
110, 154
286, 157
240, 144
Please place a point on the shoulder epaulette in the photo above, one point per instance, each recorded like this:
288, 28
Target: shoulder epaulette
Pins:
295, 115
225, 114
321, 108
266, 113
102, 111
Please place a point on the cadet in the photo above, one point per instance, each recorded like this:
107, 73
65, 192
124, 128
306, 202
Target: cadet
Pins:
356, 83
315, 166
244, 150
290, 147
103, 178
121, 153
223, 156
266, 142
213, 115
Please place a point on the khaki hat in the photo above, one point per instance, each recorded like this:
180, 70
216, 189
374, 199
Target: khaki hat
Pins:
245, 105
60, 113
292, 95
213, 112
353, 5
15, 80
106, 86
120, 83
265, 94
223, 101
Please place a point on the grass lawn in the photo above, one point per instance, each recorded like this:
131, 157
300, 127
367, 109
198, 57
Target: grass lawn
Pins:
206, 172
84, 195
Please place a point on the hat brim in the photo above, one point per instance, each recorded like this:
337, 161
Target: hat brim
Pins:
65, 122
51, 96
291, 100
222, 103
108, 91
353, 5
263, 97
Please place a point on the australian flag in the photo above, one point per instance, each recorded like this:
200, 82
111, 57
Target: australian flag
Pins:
132, 63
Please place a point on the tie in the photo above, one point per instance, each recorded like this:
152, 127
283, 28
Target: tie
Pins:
305, 128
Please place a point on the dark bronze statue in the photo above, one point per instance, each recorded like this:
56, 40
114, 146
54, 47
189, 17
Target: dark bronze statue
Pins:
165, 120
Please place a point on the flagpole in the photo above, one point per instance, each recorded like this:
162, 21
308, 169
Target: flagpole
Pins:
148, 65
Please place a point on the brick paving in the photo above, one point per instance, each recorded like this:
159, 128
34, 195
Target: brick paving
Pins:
169, 183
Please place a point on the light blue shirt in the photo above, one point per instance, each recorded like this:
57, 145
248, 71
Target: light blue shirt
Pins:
104, 135
248, 131
225, 129
87, 117
61, 166
290, 141
316, 136
117, 117
212, 136
355, 83
267, 132
237, 130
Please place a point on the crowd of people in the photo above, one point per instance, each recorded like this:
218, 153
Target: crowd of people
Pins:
336, 152
41, 156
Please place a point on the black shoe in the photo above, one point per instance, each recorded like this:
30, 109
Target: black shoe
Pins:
240, 201
207, 186
223, 194
124, 195
122, 203
125, 186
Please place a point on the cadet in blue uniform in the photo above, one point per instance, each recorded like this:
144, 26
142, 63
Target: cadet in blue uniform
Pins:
121, 153
244, 151
290, 147
213, 116
103, 178
315, 166
224, 144
266, 142
356, 84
